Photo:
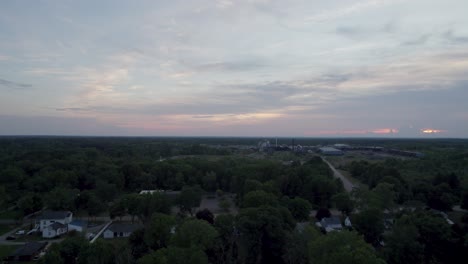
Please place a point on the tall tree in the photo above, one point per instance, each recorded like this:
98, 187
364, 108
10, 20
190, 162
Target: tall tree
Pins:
189, 198
342, 248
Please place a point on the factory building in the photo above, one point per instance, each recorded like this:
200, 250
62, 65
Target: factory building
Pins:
329, 151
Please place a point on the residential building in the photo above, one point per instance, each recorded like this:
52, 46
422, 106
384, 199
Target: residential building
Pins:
49, 217
54, 230
120, 230
27, 252
331, 224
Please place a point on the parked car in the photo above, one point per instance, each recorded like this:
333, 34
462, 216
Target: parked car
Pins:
20, 232
10, 238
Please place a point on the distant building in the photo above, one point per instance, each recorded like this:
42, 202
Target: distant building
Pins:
120, 230
54, 230
49, 217
329, 151
27, 252
331, 224
264, 146
341, 146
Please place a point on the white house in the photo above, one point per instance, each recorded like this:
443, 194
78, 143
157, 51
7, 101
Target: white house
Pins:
331, 224
120, 230
49, 217
54, 230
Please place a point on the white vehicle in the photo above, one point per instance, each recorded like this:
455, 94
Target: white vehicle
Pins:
20, 232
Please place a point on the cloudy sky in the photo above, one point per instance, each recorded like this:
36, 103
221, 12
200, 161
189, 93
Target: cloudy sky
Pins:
396, 68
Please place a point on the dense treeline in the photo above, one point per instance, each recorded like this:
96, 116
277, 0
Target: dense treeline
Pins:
273, 200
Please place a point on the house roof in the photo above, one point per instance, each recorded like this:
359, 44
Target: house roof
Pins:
123, 227
56, 226
29, 249
46, 215
334, 220
81, 223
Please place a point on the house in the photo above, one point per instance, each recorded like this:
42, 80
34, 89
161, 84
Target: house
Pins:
49, 217
331, 224
120, 230
78, 225
329, 151
301, 226
27, 252
347, 222
54, 230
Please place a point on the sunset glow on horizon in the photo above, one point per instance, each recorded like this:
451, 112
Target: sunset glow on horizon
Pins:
370, 68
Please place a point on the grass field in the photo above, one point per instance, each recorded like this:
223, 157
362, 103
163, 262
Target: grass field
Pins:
6, 250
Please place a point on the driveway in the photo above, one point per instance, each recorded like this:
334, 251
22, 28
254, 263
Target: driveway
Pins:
346, 183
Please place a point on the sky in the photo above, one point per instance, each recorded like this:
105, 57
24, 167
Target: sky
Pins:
304, 68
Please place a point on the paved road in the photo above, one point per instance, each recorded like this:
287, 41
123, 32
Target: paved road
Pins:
347, 184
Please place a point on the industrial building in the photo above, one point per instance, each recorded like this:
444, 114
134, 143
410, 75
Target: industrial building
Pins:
329, 151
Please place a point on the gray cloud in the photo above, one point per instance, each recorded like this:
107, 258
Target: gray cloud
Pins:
49, 125
453, 38
421, 40
229, 66
73, 109
14, 85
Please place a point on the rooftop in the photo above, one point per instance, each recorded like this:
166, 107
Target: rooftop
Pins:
334, 220
54, 215
29, 249
123, 227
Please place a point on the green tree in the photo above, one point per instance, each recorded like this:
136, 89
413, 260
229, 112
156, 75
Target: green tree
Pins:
3, 197
100, 252
224, 204
209, 181
61, 199
206, 215
385, 195
71, 247
195, 233
259, 198
30, 203
175, 255
343, 202
94, 205
299, 208
225, 224
402, 244
369, 223
152, 203
158, 233
189, 198
117, 209
52, 257
342, 248
263, 232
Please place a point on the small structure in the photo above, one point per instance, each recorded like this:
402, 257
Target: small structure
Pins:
347, 222
27, 252
49, 217
54, 230
120, 230
329, 151
331, 224
301, 226
78, 225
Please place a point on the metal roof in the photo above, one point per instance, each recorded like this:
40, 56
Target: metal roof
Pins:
29, 249
54, 215
123, 227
